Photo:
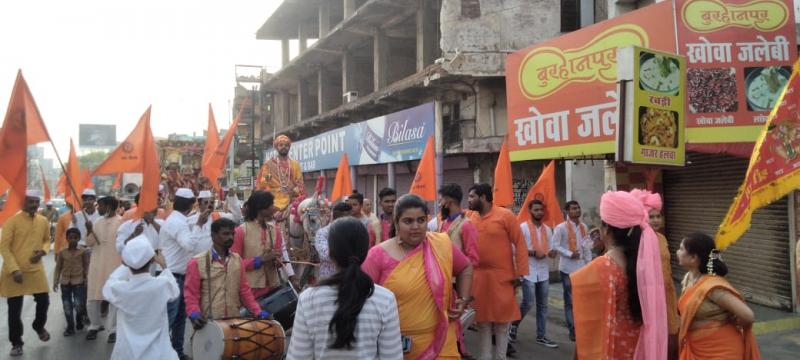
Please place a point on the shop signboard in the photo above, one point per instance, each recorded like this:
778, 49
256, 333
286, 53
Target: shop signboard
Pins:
740, 54
562, 93
399, 136
652, 129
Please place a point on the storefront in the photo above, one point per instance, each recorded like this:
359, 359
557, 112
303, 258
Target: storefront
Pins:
564, 103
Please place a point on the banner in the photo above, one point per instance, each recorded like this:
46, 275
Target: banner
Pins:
399, 136
774, 168
739, 54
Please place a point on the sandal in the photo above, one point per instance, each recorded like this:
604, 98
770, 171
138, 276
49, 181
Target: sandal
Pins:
43, 335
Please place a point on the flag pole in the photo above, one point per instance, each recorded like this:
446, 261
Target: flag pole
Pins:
66, 175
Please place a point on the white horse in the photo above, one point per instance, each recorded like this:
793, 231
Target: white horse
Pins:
311, 214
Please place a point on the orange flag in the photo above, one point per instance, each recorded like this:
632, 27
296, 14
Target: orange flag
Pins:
137, 154
503, 188
117, 182
342, 185
88, 183
545, 190
424, 183
45, 187
216, 161
212, 137
73, 183
22, 126
61, 186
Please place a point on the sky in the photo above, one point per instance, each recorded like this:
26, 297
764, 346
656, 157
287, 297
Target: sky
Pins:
104, 62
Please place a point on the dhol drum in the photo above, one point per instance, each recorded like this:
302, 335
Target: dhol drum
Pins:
281, 303
237, 338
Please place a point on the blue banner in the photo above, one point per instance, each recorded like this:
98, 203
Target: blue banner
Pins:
399, 136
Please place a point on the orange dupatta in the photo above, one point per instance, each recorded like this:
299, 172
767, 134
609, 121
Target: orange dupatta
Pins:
688, 304
573, 240
541, 245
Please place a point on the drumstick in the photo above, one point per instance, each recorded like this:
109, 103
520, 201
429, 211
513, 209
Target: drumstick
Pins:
301, 263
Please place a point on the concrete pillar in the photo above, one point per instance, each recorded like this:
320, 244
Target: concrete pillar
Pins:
284, 52
349, 8
323, 90
286, 111
426, 35
302, 100
302, 37
380, 59
348, 72
324, 19
354, 177
391, 177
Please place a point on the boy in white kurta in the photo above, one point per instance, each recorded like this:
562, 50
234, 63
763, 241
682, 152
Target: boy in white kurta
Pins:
141, 302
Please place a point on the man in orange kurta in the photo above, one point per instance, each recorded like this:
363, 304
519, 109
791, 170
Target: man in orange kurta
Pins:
500, 269
63, 223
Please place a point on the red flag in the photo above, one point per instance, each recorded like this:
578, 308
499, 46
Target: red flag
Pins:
503, 188
137, 154
544, 190
45, 187
22, 126
212, 169
212, 137
117, 182
342, 185
74, 184
424, 183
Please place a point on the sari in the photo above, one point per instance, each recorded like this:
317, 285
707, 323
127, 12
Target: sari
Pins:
604, 327
422, 286
715, 340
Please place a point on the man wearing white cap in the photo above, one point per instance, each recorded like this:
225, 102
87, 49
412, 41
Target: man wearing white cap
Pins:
141, 302
84, 219
179, 244
25, 239
202, 218
148, 225
104, 259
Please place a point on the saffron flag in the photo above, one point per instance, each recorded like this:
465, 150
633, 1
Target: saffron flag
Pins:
87, 179
45, 187
212, 138
137, 154
73, 183
342, 185
544, 190
503, 188
61, 186
212, 168
774, 169
424, 183
22, 126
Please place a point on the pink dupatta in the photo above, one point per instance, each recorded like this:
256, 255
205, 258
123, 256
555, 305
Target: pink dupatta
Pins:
438, 283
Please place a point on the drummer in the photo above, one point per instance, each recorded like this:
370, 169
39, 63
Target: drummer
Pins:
216, 284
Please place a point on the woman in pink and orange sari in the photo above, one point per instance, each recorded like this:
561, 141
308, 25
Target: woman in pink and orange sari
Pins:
418, 267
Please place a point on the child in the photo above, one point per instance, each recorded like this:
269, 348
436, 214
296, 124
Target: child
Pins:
72, 266
141, 303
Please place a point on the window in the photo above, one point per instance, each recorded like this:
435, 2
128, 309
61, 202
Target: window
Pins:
570, 15
471, 9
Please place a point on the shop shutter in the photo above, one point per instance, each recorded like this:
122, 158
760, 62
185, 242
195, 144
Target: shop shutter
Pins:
696, 198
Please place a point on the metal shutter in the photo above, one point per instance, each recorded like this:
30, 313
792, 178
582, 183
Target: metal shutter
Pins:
696, 198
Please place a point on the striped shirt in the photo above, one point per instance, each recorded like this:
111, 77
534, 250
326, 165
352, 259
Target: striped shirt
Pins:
377, 332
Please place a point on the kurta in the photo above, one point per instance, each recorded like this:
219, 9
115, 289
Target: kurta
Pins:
105, 258
285, 183
142, 322
673, 321
217, 289
62, 225
498, 266
21, 236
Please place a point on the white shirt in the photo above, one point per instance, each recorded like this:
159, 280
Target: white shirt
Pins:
233, 205
433, 225
204, 232
561, 243
377, 329
142, 322
326, 265
79, 222
178, 242
539, 269
127, 229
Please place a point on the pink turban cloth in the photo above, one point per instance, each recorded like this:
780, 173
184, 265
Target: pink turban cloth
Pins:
650, 200
623, 210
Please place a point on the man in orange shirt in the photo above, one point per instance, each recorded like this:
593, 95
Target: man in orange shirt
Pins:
62, 225
500, 269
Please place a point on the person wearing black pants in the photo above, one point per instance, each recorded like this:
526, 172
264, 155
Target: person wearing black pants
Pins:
15, 327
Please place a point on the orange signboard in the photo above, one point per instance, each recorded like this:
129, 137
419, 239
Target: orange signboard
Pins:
562, 93
739, 54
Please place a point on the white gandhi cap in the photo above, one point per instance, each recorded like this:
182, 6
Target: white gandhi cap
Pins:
137, 252
185, 193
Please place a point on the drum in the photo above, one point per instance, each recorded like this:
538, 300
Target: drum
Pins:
281, 303
237, 338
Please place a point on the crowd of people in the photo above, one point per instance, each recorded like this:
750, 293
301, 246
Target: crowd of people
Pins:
404, 283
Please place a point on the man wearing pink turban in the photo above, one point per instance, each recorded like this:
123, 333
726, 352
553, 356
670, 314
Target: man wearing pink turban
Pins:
619, 307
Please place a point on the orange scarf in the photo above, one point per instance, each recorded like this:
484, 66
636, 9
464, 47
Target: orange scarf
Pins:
541, 245
573, 241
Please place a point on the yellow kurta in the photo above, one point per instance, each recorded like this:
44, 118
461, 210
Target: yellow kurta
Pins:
105, 258
284, 186
21, 236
